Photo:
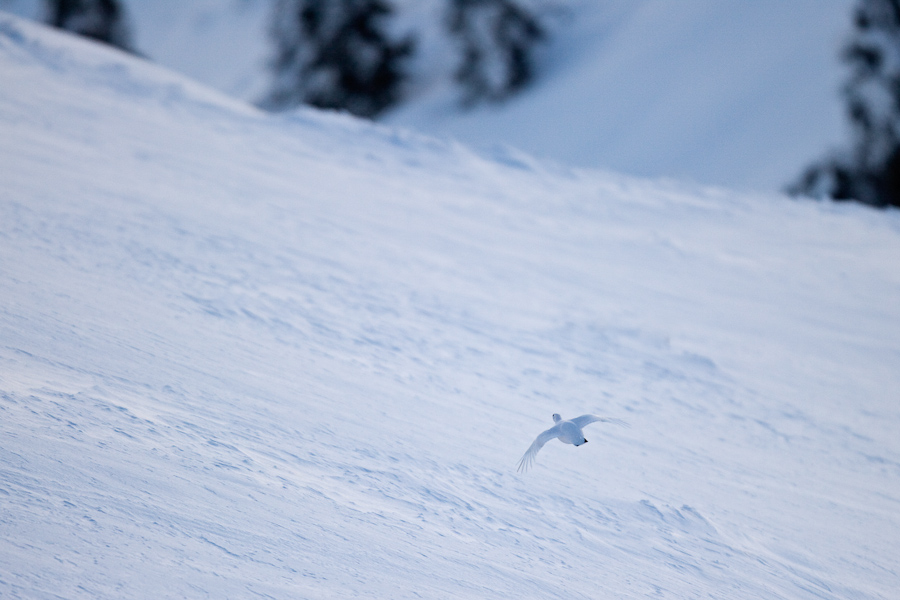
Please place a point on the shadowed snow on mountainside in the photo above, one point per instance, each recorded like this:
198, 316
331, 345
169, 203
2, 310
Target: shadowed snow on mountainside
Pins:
299, 356
737, 94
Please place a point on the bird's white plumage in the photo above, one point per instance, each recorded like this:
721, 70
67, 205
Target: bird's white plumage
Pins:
569, 432
588, 419
528, 459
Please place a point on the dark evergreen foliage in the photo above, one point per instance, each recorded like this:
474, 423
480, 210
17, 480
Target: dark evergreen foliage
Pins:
101, 20
498, 39
870, 171
336, 54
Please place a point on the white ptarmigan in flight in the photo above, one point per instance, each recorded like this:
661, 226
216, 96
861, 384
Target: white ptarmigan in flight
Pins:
568, 432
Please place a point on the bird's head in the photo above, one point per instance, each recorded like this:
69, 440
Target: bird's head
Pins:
556, 418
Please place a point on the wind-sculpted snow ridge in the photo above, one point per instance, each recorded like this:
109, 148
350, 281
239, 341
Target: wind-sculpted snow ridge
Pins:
299, 357
68, 56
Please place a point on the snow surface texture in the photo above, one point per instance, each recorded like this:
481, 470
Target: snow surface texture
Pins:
743, 94
298, 357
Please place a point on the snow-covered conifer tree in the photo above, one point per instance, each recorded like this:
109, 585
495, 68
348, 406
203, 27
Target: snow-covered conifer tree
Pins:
870, 171
102, 20
336, 54
497, 39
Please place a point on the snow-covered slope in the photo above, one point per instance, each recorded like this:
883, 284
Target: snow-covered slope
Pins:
299, 357
223, 43
742, 94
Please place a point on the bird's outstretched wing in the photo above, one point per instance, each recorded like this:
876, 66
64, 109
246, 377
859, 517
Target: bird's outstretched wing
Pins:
528, 459
587, 419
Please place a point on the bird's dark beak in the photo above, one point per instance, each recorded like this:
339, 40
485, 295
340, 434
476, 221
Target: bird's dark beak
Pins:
585, 441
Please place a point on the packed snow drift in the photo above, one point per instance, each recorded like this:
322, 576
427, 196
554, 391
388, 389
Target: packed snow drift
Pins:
299, 357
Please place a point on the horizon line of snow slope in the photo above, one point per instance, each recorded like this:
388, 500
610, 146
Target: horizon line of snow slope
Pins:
738, 94
743, 94
299, 356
